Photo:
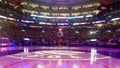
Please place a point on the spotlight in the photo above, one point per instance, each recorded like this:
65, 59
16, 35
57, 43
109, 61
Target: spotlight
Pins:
76, 32
60, 29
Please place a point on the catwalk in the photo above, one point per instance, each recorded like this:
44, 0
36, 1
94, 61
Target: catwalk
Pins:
59, 57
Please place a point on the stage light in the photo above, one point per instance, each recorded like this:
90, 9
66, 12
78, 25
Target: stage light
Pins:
97, 22
76, 32
0, 27
23, 30
83, 23
4, 44
92, 32
11, 14
42, 23
41, 16
119, 29
89, 16
76, 23
4, 17
34, 15
93, 40
80, 17
42, 31
109, 16
103, 7
60, 29
114, 19
109, 31
26, 39
26, 21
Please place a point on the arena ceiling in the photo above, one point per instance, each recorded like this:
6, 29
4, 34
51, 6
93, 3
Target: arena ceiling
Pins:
64, 2
69, 2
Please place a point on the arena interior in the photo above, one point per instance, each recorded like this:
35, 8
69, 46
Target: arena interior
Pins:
59, 33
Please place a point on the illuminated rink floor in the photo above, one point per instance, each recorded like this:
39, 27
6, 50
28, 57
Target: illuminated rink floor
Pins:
59, 57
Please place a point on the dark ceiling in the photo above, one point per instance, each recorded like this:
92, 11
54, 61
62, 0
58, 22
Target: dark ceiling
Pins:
69, 2
63, 2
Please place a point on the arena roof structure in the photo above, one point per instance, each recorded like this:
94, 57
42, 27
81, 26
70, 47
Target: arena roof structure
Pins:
60, 12
63, 2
